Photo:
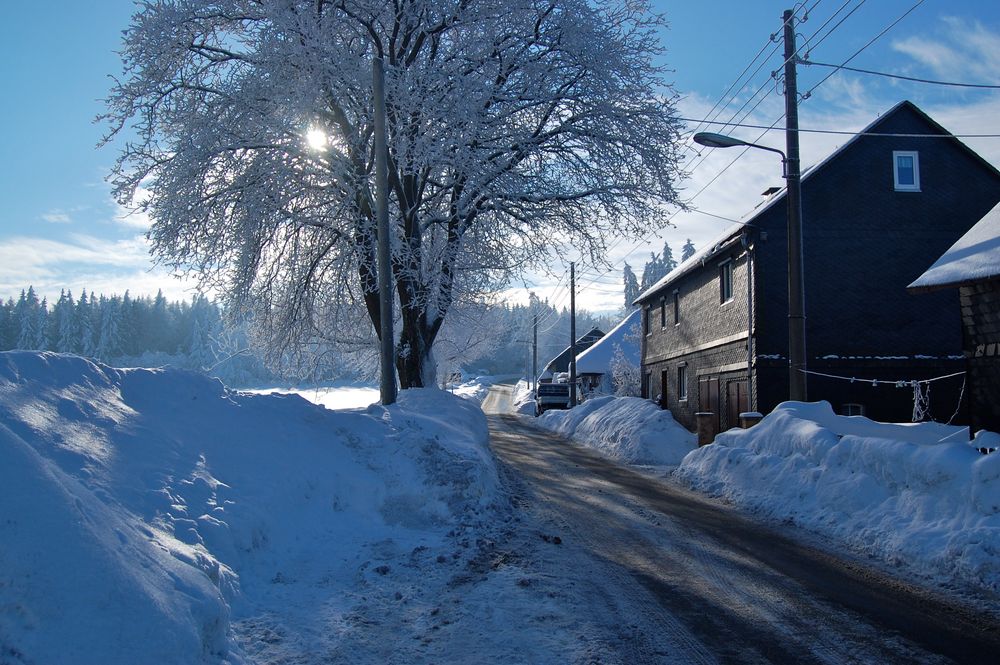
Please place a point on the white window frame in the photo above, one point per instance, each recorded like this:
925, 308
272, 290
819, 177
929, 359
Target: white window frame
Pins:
726, 270
682, 388
906, 187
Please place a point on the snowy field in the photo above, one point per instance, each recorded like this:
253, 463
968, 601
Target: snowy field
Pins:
153, 516
336, 397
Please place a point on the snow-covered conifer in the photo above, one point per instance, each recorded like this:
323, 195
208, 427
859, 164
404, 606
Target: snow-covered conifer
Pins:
631, 286
687, 251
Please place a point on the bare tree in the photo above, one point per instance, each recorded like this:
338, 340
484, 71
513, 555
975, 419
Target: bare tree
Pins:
516, 128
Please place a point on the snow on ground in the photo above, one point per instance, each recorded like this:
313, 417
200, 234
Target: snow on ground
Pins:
332, 397
522, 399
154, 516
896, 492
627, 429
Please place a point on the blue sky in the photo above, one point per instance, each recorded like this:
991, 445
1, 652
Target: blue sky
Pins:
59, 226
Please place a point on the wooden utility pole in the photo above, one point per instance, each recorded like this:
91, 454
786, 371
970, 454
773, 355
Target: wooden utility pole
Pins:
796, 288
387, 382
572, 334
534, 351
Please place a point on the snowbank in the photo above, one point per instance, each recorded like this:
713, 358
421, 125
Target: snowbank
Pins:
522, 399
146, 512
897, 492
628, 429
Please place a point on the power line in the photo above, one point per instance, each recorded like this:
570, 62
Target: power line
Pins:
807, 46
900, 76
870, 42
850, 133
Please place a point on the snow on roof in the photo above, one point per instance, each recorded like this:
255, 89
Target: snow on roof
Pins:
693, 261
597, 359
975, 256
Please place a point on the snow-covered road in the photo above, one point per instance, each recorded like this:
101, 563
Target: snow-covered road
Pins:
664, 575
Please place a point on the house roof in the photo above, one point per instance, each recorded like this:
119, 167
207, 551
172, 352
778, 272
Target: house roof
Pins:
974, 257
582, 343
597, 359
731, 234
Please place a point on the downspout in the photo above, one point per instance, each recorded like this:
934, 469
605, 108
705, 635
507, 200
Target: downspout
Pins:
751, 393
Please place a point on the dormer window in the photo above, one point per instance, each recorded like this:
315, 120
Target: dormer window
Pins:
906, 171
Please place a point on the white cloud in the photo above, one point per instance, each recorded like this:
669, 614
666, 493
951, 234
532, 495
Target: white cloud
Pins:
963, 51
57, 217
82, 261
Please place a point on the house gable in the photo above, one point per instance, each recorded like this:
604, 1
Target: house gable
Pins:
864, 241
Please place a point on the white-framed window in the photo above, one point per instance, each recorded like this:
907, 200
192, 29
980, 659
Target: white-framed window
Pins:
682, 383
906, 170
663, 312
677, 308
725, 281
647, 315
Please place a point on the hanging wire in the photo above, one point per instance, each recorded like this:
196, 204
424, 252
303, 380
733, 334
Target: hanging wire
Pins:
900, 76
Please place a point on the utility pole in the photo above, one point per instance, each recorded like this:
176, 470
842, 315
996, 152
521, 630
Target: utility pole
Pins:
534, 351
572, 334
387, 382
796, 290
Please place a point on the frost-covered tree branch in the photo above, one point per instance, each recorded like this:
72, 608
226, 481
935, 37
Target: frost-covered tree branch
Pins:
516, 128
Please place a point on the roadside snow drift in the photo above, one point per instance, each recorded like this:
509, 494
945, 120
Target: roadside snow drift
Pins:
628, 429
897, 492
145, 513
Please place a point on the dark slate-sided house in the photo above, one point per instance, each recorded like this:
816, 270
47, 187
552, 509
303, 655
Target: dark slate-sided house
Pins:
972, 265
876, 212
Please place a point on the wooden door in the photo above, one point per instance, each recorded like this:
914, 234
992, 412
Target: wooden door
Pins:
737, 401
708, 397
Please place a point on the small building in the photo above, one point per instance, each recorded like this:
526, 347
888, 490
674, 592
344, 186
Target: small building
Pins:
876, 212
594, 366
972, 265
561, 362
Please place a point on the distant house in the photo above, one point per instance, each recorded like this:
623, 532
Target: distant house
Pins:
561, 362
972, 265
594, 365
875, 213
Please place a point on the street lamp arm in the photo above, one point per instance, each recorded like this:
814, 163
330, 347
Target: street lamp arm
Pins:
712, 140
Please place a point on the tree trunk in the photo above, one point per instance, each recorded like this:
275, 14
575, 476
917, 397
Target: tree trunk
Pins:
415, 362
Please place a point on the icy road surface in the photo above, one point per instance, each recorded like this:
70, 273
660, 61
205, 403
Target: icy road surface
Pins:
676, 578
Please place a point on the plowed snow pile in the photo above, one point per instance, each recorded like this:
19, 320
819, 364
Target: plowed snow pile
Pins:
154, 516
914, 494
627, 429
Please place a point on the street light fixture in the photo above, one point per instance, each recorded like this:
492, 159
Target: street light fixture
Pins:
796, 291
710, 140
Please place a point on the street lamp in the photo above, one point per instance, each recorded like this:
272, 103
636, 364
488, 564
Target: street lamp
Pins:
796, 292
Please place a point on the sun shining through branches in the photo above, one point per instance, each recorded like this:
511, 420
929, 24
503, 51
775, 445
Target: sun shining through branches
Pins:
515, 129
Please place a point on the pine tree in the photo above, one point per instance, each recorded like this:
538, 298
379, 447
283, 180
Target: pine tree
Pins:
65, 333
42, 342
109, 337
631, 286
667, 261
7, 335
85, 324
26, 315
687, 251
